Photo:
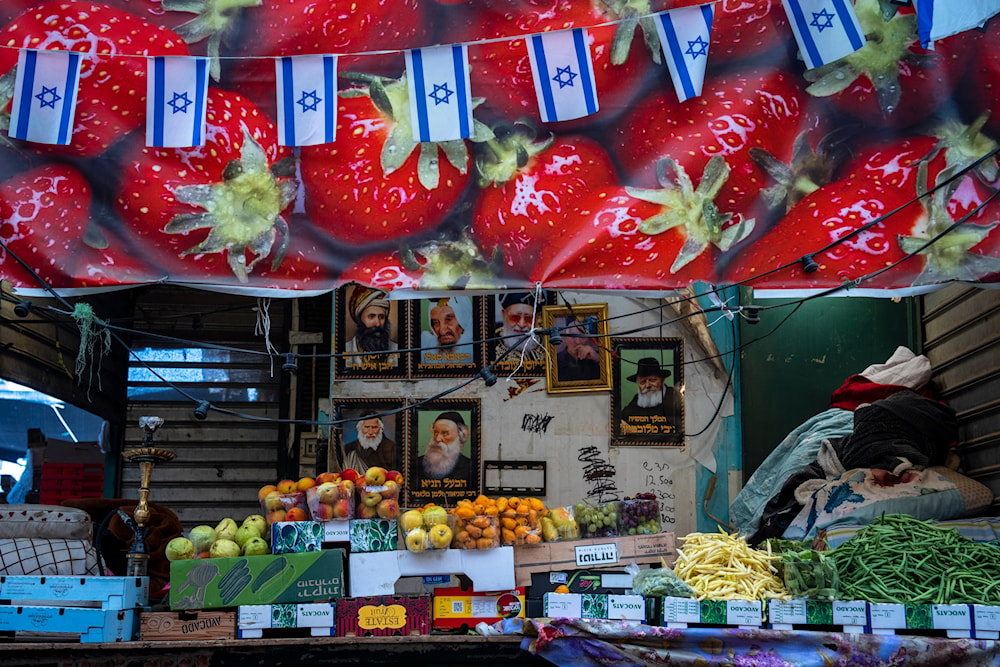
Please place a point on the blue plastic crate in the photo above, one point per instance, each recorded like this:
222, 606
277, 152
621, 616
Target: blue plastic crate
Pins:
111, 592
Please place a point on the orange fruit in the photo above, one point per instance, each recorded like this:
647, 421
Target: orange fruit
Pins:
265, 490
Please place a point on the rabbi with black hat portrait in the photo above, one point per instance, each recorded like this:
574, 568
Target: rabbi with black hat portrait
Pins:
443, 455
656, 408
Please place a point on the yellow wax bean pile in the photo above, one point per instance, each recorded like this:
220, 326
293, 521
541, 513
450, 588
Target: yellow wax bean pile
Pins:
720, 566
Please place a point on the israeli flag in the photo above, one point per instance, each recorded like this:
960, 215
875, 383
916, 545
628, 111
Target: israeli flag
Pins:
44, 101
564, 75
826, 30
307, 99
176, 98
440, 98
943, 18
685, 35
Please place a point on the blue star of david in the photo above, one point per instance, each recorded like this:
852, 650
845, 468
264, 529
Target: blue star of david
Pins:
180, 102
822, 20
441, 94
48, 97
564, 76
309, 101
697, 47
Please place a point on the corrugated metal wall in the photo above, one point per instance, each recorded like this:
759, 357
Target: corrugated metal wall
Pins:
961, 328
222, 461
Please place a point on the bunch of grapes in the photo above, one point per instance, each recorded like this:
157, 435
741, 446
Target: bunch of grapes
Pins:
597, 520
640, 515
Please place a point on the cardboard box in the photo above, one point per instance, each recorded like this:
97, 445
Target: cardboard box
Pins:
384, 615
186, 625
852, 615
985, 621
682, 612
954, 619
588, 605
457, 608
611, 552
489, 569
292, 537
210, 583
318, 617
369, 535
607, 582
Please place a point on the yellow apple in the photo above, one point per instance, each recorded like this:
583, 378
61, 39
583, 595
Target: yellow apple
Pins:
410, 520
440, 535
416, 540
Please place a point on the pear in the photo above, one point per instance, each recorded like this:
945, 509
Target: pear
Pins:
258, 522
202, 536
244, 533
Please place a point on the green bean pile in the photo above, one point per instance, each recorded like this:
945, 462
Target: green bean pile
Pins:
900, 559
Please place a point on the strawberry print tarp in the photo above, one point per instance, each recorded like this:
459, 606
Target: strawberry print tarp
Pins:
872, 172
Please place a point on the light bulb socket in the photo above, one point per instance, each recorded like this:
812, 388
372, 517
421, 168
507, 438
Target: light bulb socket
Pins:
752, 314
290, 365
22, 308
489, 379
555, 338
201, 412
809, 264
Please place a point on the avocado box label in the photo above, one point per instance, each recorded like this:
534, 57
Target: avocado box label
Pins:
207, 583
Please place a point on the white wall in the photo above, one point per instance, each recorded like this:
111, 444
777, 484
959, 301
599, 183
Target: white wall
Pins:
571, 432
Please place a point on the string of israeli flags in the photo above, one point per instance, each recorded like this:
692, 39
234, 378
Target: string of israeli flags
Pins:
440, 95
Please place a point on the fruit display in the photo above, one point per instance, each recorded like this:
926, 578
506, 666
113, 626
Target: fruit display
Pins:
284, 501
332, 497
597, 520
426, 528
519, 521
559, 524
226, 540
640, 515
377, 493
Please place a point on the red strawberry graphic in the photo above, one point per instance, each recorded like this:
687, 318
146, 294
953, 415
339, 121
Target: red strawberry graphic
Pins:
891, 80
213, 206
528, 189
111, 100
631, 238
375, 182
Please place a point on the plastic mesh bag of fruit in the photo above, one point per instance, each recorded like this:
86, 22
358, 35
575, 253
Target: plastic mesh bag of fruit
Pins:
661, 582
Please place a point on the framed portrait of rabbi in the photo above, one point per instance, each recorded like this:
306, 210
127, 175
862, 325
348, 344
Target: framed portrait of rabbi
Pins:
444, 461
647, 397
445, 336
370, 433
367, 326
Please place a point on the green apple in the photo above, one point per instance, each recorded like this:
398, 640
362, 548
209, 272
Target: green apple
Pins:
244, 533
255, 546
258, 522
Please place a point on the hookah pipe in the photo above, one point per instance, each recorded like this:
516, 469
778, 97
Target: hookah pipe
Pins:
147, 456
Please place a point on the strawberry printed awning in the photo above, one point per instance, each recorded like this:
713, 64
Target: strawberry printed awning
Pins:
873, 168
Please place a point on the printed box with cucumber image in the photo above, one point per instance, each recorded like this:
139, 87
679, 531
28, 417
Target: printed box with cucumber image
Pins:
210, 583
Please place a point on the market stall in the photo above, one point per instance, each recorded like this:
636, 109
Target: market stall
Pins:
539, 226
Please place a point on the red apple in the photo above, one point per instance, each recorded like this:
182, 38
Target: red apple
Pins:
287, 486
346, 488
342, 509
327, 477
395, 476
323, 512
371, 498
367, 512
350, 474
390, 490
375, 476
387, 509
328, 492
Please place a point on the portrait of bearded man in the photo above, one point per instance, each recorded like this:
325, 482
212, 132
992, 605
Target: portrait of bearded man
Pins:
369, 310
372, 447
443, 456
654, 403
